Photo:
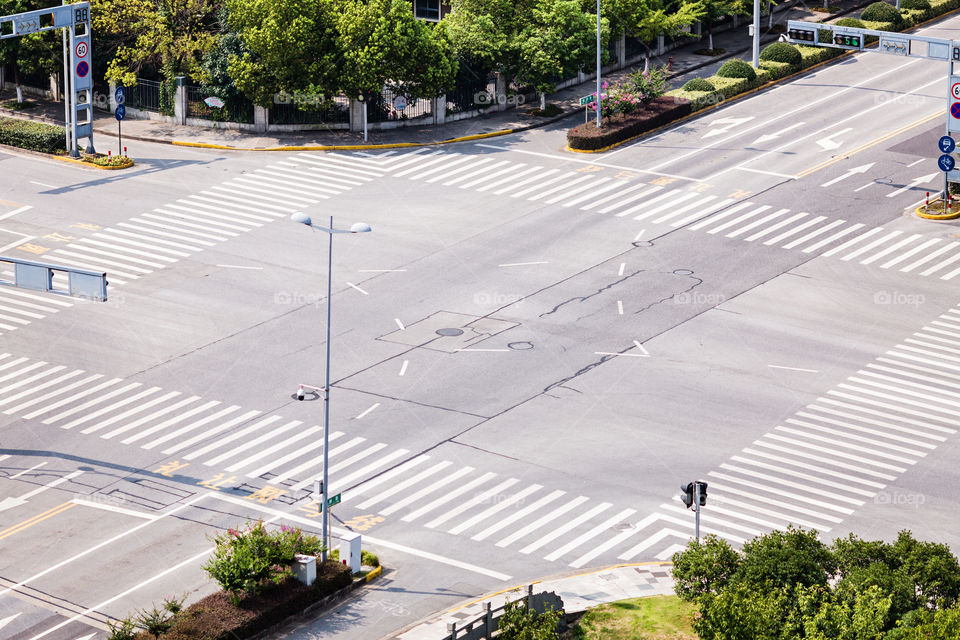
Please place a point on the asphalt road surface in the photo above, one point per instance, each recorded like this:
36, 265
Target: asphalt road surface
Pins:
531, 351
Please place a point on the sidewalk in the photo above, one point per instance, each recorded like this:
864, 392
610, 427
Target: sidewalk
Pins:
685, 65
579, 592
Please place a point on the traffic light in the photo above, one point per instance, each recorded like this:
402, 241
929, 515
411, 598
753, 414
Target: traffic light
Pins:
687, 496
801, 34
702, 493
847, 40
956, 53
366, 96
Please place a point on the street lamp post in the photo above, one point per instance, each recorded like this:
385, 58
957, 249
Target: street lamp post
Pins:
358, 227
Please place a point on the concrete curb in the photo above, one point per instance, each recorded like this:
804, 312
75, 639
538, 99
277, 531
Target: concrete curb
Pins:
90, 164
929, 216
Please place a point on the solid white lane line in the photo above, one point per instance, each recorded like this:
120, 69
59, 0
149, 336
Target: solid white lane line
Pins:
367, 410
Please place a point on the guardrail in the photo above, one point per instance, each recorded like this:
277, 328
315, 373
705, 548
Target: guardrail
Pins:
38, 276
483, 626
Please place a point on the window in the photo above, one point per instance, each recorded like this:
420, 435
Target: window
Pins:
426, 9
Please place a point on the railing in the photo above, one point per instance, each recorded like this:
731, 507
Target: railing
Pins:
151, 95
390, 105
235, 108
483, 626
332, 111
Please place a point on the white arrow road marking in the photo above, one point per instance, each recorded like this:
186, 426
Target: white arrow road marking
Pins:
767, 137
730, 122
917, 182
861, 169
8, 620
829, 143
8, 503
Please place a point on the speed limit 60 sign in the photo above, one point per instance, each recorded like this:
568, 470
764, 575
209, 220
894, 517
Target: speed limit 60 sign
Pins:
83, 47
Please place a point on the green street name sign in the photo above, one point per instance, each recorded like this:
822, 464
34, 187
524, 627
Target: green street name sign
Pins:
585, 100
332, 500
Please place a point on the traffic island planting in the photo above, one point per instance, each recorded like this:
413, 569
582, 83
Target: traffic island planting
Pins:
33, 136
623, 126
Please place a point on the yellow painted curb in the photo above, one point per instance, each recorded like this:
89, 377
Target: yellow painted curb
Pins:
347, 147
374, 574
930, 216
90, 164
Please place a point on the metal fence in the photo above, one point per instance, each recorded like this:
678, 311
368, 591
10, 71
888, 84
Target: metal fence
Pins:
482, 627
391, 105
151, 95
471, 92
322, 111
234, 109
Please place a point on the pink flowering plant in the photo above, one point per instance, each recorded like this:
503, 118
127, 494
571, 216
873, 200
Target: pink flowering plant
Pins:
649, 84
244, 561
630, 94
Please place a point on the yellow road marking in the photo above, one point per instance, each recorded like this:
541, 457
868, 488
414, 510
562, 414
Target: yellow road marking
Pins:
35, 519
867, 145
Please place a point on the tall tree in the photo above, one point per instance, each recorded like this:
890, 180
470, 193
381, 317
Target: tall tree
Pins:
169, 36
383, 45
486, 31
558, 41
289, 46
647, 20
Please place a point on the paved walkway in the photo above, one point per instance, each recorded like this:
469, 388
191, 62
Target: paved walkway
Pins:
684, 62
578, 591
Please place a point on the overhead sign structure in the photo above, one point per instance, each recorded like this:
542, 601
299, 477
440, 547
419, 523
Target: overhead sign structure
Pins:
78, 60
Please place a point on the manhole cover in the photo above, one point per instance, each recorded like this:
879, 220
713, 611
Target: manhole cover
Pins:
451, 331
683, 272
520, 346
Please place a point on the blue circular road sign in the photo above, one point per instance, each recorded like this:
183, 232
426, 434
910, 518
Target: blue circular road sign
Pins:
83, 69
946, 162
121, 95
946, 144
121, 113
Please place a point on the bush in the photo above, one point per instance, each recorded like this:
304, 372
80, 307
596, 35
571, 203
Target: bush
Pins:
619, 128
34, 136
881, 12
850, 22
781, 52
698, 84
243, 561
648, 84
923, 5
777, 69
737, 68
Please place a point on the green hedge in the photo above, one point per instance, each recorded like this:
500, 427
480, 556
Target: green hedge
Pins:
34, 136
880, 12
778, 70
737, 68
781, 52
698, 84
657, 112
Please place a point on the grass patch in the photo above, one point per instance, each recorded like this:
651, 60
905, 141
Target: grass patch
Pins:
710, 52
549, 112
829, 9
13, 105
654, 618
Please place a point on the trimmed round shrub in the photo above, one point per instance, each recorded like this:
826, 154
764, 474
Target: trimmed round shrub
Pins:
922, 5
737, 69
851, 22
881, 12
698, 84
781, 52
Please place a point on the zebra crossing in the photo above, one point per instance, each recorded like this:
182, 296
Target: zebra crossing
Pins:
158, 239
814, 469
685, 206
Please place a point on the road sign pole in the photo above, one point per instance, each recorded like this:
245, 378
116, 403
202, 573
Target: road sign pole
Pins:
696, 508
119, 139
598, 64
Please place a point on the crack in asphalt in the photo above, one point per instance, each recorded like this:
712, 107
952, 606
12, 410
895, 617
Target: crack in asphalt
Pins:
595, 293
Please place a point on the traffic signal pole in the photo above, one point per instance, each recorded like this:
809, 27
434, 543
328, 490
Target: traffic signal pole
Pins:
696, 507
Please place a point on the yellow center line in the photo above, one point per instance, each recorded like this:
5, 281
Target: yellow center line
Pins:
35, 519
867, 145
